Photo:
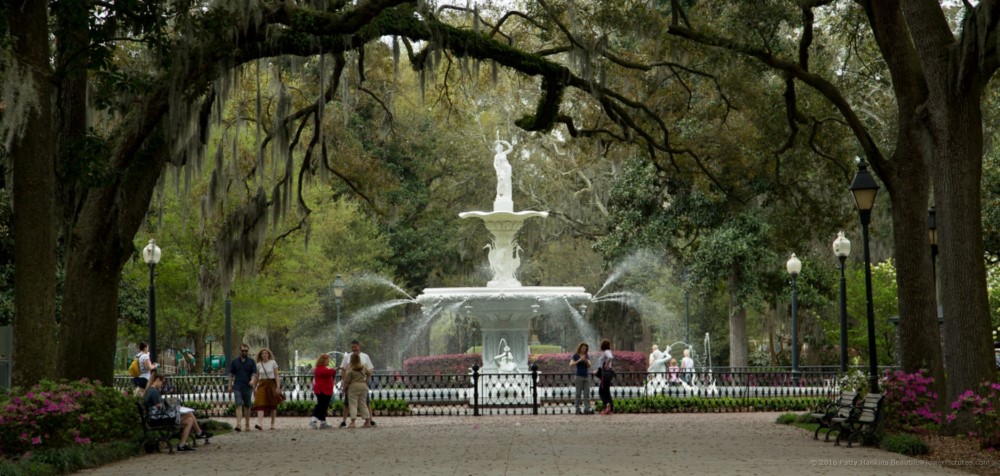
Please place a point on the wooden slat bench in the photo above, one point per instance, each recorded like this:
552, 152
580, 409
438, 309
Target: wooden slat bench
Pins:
863, 420
838, 408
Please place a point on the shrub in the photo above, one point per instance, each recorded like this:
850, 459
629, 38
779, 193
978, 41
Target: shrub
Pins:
904, 443
56, 415
909, 404
983, 405
64, 460
787, 418
855, 381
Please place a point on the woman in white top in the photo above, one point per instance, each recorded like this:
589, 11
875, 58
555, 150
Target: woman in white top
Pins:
268, 384
604, 388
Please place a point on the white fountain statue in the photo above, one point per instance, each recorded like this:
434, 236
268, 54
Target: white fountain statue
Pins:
505, 360
504, 307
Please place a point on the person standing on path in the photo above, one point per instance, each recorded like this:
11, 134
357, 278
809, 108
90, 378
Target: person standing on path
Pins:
268, 385
581, 362
146, 367
344, 364
605, 368
242, 379
356, 380
687, 365
323, 376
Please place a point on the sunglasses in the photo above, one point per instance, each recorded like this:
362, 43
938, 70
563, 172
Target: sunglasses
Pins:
244, 351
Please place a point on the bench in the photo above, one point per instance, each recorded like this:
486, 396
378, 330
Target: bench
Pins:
838, 408
863, 420
157, 432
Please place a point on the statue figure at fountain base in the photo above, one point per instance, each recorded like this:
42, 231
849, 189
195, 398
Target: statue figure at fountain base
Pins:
505, 360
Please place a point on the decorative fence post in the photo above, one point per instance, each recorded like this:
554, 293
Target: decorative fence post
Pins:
534, 389
475, 390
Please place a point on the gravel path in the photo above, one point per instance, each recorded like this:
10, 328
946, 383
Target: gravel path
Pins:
687, 444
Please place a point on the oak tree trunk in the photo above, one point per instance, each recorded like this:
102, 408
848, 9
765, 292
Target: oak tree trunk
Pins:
34, 189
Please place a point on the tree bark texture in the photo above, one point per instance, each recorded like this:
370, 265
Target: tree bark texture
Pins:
34, 189
956, 70
101, 245
737, 323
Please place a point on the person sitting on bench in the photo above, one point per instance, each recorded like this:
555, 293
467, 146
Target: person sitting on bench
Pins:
188, 422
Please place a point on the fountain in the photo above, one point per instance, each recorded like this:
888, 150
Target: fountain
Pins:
504, 307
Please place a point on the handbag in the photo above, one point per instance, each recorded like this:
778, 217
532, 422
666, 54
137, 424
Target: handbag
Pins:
276, 395
164, 415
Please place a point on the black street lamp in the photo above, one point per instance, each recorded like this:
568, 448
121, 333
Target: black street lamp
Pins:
151, 255
338, 292
842, 248
864, 189
794, 266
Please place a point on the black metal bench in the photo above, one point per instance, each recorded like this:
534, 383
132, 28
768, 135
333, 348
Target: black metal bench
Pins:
157, 432
863, 420
838, 408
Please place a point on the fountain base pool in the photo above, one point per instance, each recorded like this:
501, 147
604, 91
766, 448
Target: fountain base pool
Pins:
505, 315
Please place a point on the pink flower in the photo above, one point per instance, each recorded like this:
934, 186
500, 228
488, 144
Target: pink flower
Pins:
36, 440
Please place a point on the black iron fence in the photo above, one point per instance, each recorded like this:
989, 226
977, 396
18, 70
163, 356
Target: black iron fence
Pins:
704, 390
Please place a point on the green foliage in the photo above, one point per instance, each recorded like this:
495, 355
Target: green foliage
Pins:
787, 418
855, 381
57, 415
70, 459
904, 443
886, 304
741, 246
6, 258
667, 404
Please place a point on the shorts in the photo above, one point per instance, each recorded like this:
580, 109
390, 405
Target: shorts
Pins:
140, 382
244, 396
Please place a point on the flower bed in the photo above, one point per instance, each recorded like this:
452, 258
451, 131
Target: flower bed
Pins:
56, 415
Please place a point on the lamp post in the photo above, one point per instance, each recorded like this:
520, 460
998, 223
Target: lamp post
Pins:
338, 292
151, 255
864, 189
842, 248
794, 266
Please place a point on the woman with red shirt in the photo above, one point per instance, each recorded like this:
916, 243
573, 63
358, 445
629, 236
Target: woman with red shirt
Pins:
323, 389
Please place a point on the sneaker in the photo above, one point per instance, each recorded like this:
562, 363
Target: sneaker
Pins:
312, 424
343, 424
184, 448
579, 412
204, 435
238, 428
324, 426
372, 422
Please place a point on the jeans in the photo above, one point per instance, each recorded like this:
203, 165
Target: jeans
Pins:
582, 392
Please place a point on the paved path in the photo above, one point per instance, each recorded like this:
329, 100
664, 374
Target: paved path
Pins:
686, 444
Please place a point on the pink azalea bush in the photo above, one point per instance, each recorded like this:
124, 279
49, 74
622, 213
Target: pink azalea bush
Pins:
55, 415
983, 405
909, 403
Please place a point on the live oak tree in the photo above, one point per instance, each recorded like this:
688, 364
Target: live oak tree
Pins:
134, 86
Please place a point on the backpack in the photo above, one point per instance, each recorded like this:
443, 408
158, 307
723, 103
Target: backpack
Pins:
133, 370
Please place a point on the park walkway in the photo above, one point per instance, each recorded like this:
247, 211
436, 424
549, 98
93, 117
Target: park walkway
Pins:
685, 444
